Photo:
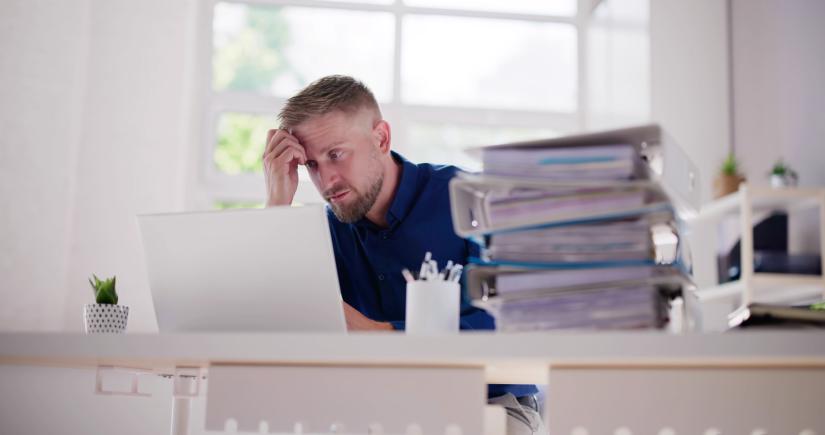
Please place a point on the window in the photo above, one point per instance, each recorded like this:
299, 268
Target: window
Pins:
448, 74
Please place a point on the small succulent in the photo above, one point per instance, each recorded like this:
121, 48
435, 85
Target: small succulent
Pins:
104, 290
730, 166
782, 169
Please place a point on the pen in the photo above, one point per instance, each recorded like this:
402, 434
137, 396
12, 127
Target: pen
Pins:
455, 274
433, 270
407, 275
423, 272
446, 271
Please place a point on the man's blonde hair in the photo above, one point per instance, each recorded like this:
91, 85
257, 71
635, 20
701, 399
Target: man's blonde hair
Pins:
326, 95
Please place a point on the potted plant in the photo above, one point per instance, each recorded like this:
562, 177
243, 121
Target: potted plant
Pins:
105, 316
729, 179
782, 175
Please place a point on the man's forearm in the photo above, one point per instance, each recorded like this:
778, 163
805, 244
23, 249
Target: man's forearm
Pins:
359, 322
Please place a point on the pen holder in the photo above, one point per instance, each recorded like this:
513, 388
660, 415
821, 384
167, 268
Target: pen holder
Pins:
433, 307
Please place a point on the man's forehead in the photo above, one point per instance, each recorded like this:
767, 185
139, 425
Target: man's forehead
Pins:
321, 150
318, 138
322, 132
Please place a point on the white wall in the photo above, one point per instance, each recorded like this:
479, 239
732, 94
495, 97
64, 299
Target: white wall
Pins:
134, 145
96, 97
779, 88
777, 66
779, 94
689, 80
94, 104
44, 46
618, 73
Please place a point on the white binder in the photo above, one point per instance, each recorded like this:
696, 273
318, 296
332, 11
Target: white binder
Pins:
667, 178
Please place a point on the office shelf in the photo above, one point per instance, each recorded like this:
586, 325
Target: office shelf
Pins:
761, 198
745, 203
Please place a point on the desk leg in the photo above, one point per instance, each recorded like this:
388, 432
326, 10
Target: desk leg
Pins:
182, 403
180, 415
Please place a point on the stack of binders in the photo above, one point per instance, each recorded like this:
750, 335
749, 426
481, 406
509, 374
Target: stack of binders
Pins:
578, 232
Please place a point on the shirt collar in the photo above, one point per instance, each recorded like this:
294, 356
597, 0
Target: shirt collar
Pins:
405, 194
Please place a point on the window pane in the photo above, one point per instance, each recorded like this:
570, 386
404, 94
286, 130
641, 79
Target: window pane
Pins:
476, 62
445, 143
241, 142
279, 50
548, 7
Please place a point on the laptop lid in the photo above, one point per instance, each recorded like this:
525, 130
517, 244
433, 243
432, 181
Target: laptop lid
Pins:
243, 270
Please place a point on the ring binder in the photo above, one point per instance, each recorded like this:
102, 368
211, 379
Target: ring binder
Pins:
662, 170
579, 231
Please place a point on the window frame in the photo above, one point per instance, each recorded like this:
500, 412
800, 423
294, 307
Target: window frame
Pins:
210, 186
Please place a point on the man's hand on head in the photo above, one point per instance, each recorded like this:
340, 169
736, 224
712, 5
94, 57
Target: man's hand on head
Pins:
359, 322
281, 158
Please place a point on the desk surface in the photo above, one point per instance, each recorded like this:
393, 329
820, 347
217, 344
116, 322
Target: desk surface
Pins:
507, 358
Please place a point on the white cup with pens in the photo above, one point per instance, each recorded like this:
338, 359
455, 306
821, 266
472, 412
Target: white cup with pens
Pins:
434, 299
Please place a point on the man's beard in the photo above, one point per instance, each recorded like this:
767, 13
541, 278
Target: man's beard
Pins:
358, 208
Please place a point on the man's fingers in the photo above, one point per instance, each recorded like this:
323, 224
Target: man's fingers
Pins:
287, 157
271, 140
276, 136
278, 156
278, 139
287, 144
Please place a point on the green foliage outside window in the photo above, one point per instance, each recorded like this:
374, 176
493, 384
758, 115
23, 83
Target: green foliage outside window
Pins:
250, 58
241, 142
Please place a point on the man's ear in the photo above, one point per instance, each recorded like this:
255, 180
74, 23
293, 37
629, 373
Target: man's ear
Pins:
383, 135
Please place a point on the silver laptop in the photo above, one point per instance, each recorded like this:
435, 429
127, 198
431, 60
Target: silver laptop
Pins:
243, 270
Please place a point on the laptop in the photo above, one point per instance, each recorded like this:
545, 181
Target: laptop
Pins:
258, 270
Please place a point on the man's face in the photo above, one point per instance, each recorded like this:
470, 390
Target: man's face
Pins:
343, 160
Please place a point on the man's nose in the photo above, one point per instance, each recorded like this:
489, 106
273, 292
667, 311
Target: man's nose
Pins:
329, 176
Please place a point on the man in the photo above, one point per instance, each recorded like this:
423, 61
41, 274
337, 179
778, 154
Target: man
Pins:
384, 212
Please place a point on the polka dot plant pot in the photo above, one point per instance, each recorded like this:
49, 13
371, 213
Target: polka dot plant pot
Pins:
105, 318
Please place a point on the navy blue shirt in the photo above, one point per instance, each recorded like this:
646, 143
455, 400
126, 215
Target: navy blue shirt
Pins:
369, 258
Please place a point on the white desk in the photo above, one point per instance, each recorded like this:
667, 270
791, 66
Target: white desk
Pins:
504, 358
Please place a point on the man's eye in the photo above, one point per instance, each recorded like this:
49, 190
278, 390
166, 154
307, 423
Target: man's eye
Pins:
311, 164
335, 155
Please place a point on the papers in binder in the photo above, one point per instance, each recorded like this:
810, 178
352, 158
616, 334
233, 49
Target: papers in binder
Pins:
484, 204
655, 156
520, 283
486, 282
618, 307
595, 298
629, 239
591, 163
510, 209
